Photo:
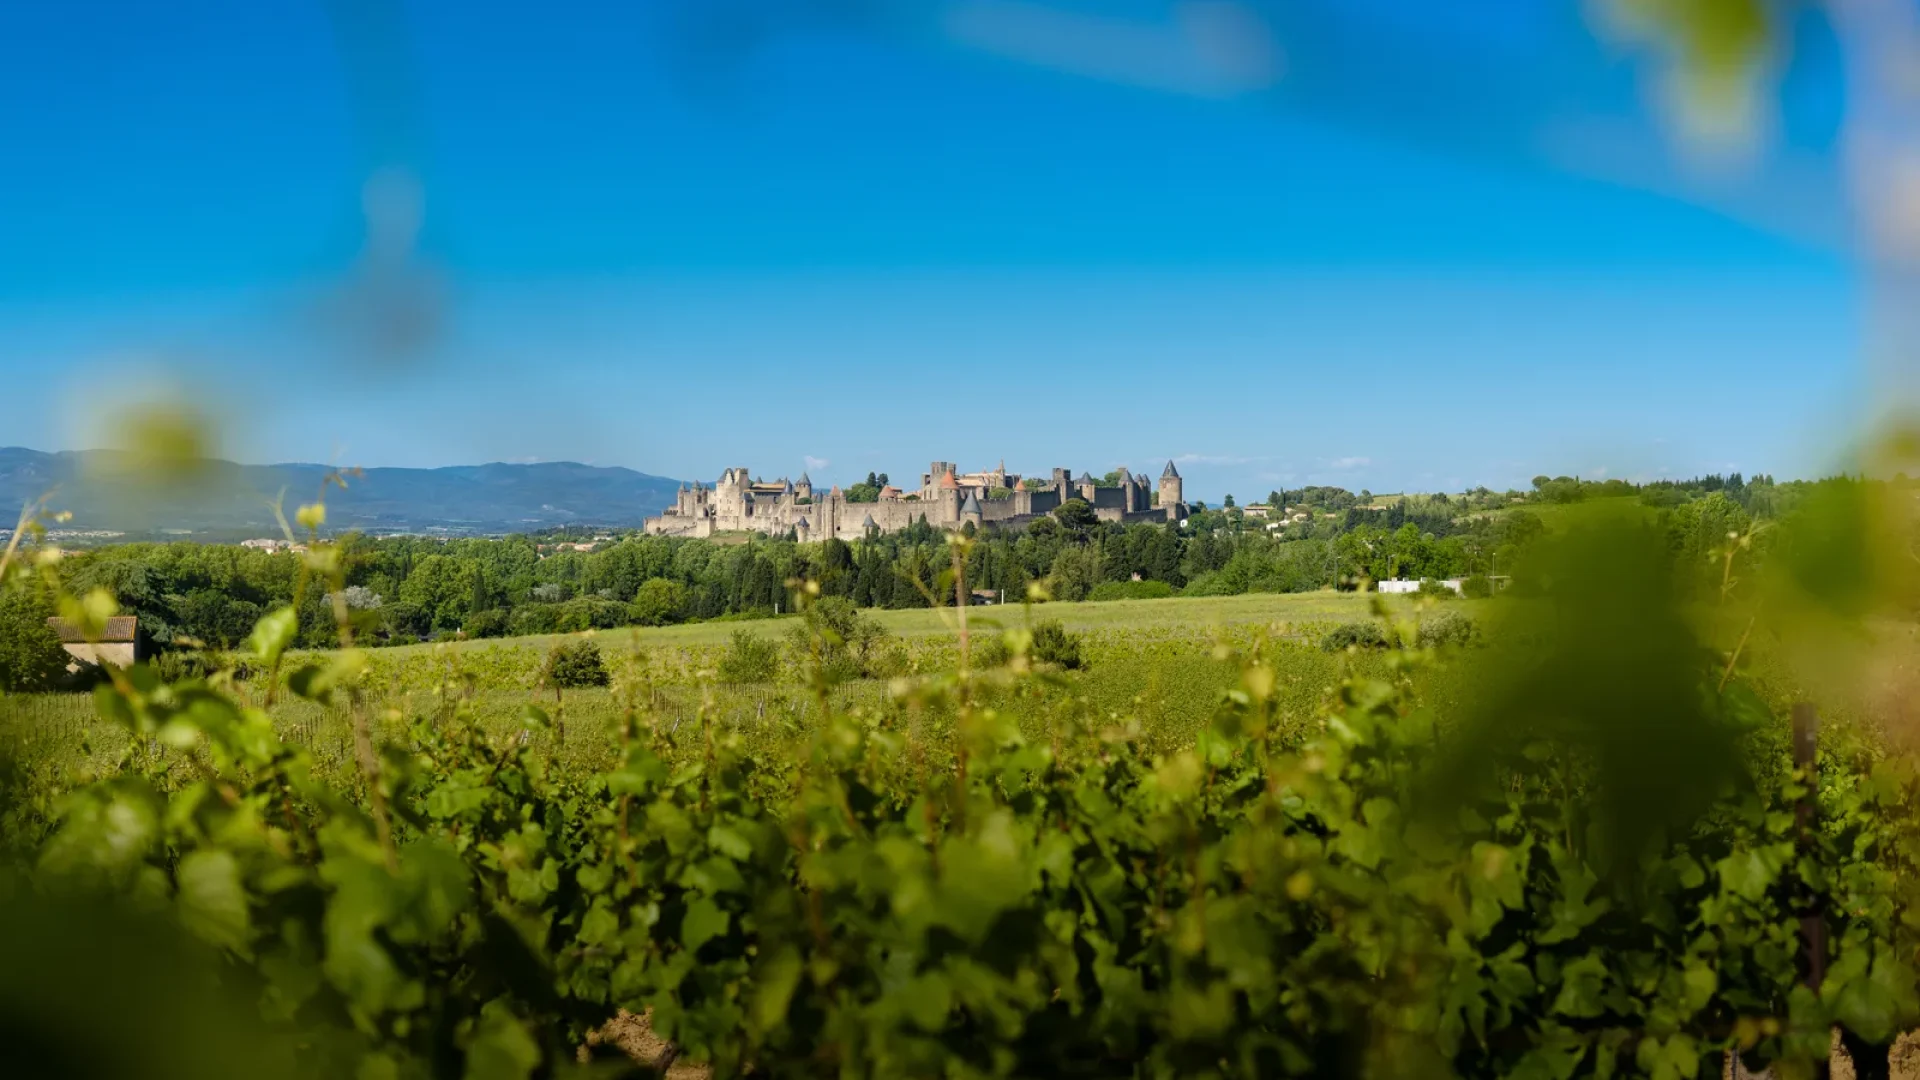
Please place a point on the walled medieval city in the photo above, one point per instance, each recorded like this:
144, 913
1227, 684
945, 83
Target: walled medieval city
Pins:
946, 498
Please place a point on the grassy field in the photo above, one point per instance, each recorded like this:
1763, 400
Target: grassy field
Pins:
1126, 641
1194, 615
1152, 666
1155, 669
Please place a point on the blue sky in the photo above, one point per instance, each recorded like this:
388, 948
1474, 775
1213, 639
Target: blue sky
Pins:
1356, 243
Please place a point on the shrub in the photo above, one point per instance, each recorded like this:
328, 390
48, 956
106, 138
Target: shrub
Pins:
574, 664
1477, 587
1131, 590
1052, 644
1436, 588
1354, 635
1447, 628
177, 664
749, 658
484, 624
852, 645
990, 649
1212, 583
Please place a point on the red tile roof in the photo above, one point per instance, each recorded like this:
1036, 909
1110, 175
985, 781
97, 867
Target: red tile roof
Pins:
119, 628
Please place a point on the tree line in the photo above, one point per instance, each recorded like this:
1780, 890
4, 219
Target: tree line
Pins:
407, 589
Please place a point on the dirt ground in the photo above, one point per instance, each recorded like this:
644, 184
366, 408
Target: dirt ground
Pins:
1905, 1060
634, 1036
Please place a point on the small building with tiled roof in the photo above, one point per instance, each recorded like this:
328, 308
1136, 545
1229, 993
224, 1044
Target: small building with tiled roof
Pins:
118, 643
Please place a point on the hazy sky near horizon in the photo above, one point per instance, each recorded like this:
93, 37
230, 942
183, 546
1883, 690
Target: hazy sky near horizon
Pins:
1365, 243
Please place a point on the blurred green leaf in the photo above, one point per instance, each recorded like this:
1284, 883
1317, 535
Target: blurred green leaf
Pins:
501, 1048
1602, 662
213, 901
704, 921
272, 634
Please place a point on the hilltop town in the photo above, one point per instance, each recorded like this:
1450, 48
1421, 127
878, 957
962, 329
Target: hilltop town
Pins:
946, 499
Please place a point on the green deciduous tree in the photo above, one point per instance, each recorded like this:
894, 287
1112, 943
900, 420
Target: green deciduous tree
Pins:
659, 602
31, 657
1077, 519
1076, 570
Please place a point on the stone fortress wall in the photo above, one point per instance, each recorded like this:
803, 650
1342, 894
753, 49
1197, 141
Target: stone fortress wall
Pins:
946, 499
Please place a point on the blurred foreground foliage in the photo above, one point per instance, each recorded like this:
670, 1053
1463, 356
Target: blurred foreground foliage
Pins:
1591, 868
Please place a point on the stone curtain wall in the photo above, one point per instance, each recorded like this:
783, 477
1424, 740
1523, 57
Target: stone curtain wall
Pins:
890, 516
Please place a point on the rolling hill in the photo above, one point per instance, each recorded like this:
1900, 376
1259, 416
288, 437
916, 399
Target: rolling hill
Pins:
225, 498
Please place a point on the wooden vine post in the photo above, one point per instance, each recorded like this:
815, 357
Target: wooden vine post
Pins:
1813, 921
1869, 1062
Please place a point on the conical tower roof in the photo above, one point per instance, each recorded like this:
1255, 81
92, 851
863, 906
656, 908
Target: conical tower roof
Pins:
1169, 472
1085, 478
805, 481
869, 523
972, 505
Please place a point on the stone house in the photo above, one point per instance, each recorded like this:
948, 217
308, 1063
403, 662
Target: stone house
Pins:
119, 643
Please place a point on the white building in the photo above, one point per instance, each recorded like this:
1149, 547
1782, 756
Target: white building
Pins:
1409, 585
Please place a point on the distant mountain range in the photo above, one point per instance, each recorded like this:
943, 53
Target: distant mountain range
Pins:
226, 499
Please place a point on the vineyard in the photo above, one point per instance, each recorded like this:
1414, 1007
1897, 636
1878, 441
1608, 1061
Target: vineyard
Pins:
1513, 674
1158, 669
1325, 849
